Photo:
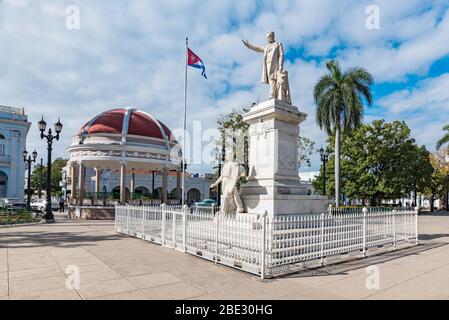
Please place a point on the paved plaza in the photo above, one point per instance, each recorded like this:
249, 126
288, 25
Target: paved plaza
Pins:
33, 261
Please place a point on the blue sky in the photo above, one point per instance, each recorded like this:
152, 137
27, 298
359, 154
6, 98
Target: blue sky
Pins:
131, 53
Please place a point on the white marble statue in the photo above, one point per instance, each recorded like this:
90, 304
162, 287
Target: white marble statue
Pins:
230, 198
273, 68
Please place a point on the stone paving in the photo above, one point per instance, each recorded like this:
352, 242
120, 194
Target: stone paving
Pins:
112, 266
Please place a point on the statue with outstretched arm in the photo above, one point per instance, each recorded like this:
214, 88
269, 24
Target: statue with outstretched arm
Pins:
273, 61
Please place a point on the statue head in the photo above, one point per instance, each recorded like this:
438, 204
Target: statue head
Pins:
270, 37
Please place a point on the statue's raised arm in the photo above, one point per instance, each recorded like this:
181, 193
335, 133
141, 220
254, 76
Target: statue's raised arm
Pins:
253, 47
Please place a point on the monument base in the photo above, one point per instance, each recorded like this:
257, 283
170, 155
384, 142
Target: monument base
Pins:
273, 182
285, 204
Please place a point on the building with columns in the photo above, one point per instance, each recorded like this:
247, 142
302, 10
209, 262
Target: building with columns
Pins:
145, 184
14, 128
119, 151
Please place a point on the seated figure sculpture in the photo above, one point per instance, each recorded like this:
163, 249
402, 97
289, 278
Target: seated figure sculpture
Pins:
230, 198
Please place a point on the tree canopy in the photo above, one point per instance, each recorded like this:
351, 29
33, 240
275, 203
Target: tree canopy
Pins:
56, 175
379, 161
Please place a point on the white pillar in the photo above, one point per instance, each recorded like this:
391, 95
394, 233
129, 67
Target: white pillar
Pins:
97, 181
178, 185
82, 174
164, 184
133, 183
123, 182
73, 181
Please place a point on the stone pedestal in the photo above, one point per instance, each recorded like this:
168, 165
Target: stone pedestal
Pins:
273, 183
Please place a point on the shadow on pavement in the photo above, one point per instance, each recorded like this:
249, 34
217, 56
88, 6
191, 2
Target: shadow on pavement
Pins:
432, 236
32, 239
342, 268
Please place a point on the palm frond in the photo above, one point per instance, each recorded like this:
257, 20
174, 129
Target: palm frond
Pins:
442, 141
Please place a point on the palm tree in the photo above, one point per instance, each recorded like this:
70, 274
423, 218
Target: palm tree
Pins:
338, 96
445, 138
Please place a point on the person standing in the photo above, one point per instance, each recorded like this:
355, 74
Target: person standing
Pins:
61, 203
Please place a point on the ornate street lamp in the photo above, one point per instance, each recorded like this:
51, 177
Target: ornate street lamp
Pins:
31, 158
324, 155
42, 125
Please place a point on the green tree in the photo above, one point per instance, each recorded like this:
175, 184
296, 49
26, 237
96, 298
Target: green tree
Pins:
39, 177
439, 179
339, 98
444, 139
234, 133
56, 175
306, 148
380, 161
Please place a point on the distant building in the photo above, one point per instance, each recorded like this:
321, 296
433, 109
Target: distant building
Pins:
14, 128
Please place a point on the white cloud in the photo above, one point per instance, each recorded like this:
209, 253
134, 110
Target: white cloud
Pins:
430, 95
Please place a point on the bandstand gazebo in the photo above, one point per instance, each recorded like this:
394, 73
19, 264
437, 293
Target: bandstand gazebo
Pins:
127, 140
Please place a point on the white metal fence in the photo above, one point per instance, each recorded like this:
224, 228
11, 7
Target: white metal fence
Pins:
269, 246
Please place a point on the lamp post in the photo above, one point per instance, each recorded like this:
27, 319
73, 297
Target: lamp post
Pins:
49, 218
324, 155
39, 193
31, 158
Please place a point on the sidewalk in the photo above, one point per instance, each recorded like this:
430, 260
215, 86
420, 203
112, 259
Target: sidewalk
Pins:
33, 260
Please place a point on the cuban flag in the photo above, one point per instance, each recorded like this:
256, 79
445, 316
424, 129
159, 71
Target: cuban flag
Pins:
194, 61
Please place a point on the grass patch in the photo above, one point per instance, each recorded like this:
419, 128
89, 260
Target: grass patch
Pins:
18, 217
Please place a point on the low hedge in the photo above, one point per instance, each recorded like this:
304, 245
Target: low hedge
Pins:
17, 217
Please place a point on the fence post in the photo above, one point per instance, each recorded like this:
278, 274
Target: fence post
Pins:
216, 218
163, 224
264, 243
127, 219
116, 215
416, 224
174, 217
143, 223
322, 238
184, 227
213, 209
394, 230
365, 212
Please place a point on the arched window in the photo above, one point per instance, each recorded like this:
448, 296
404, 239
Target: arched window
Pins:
3, 184
2, 145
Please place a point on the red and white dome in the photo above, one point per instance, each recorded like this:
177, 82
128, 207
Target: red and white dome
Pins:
127, 122
125, 135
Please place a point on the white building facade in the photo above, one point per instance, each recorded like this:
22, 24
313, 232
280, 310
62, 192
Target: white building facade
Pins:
14, 127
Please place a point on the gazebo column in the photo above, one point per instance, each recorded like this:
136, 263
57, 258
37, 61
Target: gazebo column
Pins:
164, 184
97, 181
133, 183
73, 182
82, 173
178, 185
123, 182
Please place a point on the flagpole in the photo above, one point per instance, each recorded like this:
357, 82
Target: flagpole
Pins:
185, 128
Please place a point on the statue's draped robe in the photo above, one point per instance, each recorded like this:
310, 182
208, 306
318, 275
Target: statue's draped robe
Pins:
271, 55
230, 174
